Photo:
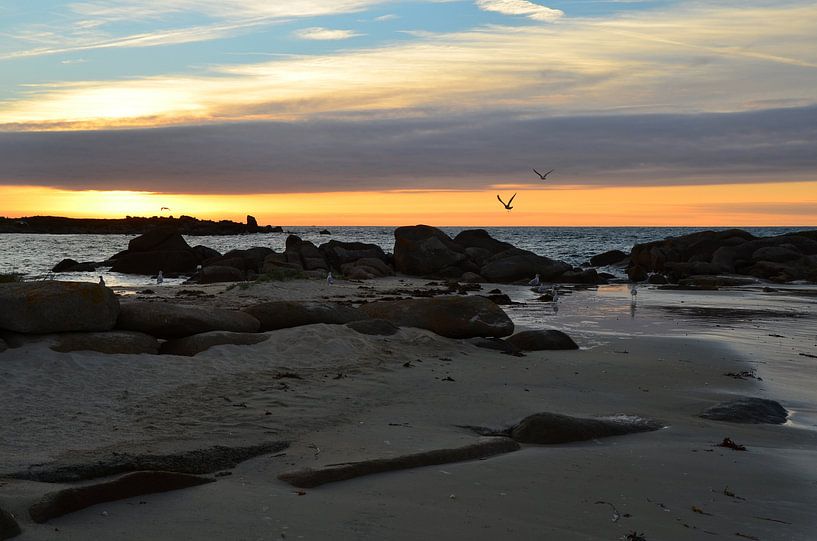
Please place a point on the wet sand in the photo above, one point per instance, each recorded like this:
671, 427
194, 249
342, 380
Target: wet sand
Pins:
358, 397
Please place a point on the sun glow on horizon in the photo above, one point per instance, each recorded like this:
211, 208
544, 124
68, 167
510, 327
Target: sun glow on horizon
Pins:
792, 204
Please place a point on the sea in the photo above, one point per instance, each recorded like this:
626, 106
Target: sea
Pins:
34, 255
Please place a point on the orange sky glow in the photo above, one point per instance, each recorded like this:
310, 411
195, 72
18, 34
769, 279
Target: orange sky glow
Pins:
710, 205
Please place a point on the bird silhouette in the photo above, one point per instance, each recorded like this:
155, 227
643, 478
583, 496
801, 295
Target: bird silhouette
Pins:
541, 176
508, 204
164, 208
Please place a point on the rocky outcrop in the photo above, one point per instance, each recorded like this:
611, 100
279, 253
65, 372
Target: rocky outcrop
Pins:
304, 253
551, 428
176, 321
51, 307
216, 274
186, 225
276, 315
71, 265
516, 265
781, 259
190, 346
111, 342
339, 253
150, 263
252, 224
453, 317
542, 340
748, 410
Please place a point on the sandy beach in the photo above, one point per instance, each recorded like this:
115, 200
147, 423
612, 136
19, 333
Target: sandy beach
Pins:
338, 396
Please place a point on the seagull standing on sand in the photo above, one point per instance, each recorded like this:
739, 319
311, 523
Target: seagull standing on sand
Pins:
541, 176
330, 279
160, 278
101, 281
535, 282
507, 205
634, 290
554, 293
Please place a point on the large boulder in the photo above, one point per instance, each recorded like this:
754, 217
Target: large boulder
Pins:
541, 340
8, 525
550, 428
150, 263
515, 265
159, 240
748, 410
50, 307
453, 317
216, 274
480, 239
377, 327
175, 321
275, 315
111, 342
71, 265
193, 345
372, 267
422, 250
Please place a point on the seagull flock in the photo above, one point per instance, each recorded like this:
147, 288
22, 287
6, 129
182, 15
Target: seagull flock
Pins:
507, 205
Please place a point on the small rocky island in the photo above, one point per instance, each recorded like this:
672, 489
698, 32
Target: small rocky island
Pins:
130, 225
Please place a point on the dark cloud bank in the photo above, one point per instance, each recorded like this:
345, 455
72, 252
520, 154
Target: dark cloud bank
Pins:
449, 152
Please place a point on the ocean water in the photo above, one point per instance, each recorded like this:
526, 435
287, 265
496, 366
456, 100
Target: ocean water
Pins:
35, 255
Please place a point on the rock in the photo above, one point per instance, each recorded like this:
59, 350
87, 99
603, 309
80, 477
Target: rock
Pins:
237, 263
150, 263
377, 327
50, 306
656, 278
520, 265
70, 265
204, 252
216, 274
479, 238
705, 281
422, 250
161, 239
580, 276
305, 254
8, 525
748, 410
542, 340
309, 478
497, 344
472, 278
252, 224
341, 253
777, 254
70, 500
499, 298
325, 232
175, 321
453, 317
608, 258
92, 465
111, 342
550, 428
637, 274
285, 314
190, 346
374, 267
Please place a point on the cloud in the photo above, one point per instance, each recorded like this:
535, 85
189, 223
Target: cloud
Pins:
387, 17
683, 59
430, 152
325, 34
90, 21
531, 10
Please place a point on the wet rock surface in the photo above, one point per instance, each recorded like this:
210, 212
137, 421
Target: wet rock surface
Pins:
541, 340
748, 410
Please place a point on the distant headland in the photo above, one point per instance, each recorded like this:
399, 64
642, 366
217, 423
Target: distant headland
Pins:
130, 225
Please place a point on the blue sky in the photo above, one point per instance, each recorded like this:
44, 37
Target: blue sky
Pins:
727, 85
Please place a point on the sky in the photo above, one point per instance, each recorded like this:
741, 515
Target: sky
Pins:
368, 112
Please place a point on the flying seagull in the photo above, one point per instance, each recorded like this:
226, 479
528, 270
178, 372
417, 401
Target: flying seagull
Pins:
164, 208
541, 176
508, 204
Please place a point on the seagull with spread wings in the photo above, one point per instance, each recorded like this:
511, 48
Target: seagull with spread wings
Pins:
508, 204
541, 176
